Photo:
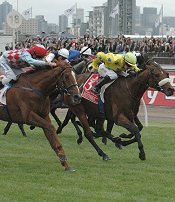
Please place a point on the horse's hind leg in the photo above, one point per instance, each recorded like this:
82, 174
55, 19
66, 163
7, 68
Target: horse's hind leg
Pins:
50, 133
110, 125
65, 122
55, 117
80, 113
138, 123
79, 133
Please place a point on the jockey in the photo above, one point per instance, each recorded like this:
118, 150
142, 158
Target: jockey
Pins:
86, 51
63, 54
111, 66
21, 58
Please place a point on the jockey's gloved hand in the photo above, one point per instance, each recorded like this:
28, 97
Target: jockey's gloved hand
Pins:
131, 73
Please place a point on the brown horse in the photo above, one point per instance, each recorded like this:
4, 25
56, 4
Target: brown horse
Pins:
122, 100
28, 101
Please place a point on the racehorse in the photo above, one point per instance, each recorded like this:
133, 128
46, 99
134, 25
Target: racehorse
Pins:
77, 109
28, 101
122, 100
78, 68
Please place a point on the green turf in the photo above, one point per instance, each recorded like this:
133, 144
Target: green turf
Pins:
30, 171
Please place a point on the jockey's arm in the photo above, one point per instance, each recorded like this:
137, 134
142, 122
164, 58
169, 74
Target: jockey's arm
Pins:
27, 58
95, 64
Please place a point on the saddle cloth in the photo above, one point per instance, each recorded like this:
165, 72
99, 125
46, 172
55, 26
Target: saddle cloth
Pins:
90, 95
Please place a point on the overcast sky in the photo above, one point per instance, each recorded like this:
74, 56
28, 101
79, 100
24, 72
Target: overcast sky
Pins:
51, 9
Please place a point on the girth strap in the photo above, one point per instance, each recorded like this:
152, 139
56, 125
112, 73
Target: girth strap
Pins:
34, 90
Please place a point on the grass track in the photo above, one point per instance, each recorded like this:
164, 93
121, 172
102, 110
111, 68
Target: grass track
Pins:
30, 171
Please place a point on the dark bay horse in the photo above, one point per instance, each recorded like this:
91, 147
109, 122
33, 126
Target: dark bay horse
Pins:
122, 100
28, 101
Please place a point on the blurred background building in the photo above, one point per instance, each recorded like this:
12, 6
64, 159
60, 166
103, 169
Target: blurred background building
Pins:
110, 19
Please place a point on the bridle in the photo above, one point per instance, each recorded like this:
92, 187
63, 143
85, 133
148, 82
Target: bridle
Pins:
61, 85
157, 85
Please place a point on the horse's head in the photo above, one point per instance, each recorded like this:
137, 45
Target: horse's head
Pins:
159, 78
68, 84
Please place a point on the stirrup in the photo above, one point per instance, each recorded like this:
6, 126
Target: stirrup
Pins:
95, 90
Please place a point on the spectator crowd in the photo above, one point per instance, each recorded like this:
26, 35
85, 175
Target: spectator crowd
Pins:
115, 45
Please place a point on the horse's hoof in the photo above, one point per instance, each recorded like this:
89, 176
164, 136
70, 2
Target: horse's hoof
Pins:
117, 141
106, 158
69, 169
32, 127
59, 131
79, 141
4, 133
119, 146
142, 156
123, 135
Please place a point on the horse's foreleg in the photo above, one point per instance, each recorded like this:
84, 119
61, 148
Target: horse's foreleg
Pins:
21, 127
133, 129
139, 125
110, 125
80, 113
7, 127
50, 133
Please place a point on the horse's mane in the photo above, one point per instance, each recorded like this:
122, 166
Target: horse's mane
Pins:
63, 64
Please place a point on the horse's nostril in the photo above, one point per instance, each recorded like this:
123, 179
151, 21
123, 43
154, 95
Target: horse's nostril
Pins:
77, 97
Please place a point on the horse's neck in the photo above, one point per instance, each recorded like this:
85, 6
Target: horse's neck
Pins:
139, 85
44, 80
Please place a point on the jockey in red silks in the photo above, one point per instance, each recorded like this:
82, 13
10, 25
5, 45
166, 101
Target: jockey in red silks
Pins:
21, 58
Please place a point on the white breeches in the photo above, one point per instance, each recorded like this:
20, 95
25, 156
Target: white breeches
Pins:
8, 72
103, 71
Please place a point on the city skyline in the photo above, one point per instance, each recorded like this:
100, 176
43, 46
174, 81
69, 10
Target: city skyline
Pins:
52, 9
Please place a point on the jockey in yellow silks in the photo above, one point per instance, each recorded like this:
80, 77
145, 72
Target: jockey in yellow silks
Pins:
111, 65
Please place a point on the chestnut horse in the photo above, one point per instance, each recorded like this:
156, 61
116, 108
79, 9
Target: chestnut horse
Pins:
122, 100
28, 101
33, 118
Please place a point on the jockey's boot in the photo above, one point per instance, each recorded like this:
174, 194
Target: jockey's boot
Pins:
96, 89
